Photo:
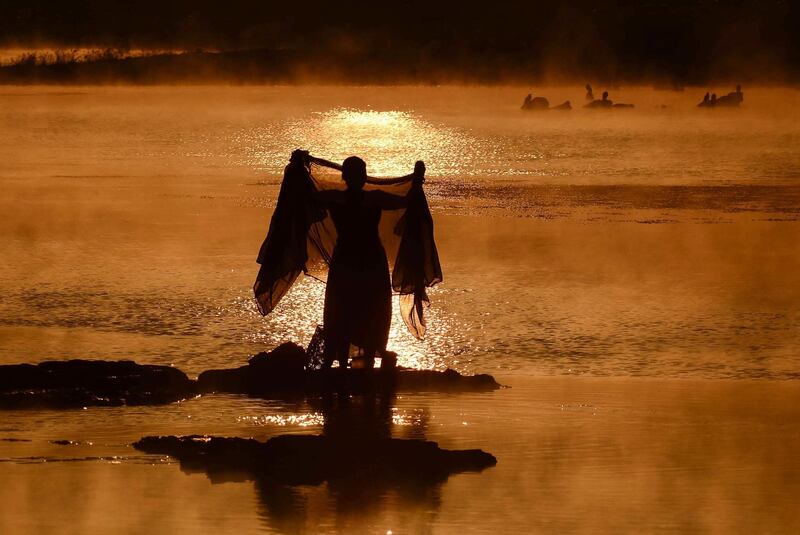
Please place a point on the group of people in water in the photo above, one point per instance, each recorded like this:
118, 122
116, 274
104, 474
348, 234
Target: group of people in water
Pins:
532, 103
732, 99
604, 102
541, 103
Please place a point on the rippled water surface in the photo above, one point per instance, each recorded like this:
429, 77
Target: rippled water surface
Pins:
661, 241
575, 454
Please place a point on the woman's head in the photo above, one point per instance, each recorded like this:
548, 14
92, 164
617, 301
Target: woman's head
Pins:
354, 172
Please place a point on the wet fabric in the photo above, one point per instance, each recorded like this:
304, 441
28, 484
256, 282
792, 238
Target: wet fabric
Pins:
302, 238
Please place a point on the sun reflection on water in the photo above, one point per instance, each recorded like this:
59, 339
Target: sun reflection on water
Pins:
406, 417
301, 420
389, 141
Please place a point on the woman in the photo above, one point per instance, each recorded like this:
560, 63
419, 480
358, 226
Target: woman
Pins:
358, 307
330, 233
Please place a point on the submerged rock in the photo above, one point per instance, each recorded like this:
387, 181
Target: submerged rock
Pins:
305, 459
78, 383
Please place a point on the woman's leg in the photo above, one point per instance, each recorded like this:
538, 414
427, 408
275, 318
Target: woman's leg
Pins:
335, 350
369, 357
328, 356
343, 353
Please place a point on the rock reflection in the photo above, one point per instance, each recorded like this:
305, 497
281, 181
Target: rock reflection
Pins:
355, 471
360, 499
288, 509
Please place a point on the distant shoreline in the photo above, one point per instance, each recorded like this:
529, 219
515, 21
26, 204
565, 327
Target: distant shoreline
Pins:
289, 67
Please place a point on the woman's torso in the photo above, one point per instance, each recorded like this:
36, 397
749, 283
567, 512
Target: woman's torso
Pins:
358, 241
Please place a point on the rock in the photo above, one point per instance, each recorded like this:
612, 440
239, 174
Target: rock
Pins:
265, 382
277, 373
286, 358
446, 381
78, 383
305, 459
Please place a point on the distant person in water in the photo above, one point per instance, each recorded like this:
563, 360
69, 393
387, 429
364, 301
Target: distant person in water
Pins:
604, 103
527, 102
589, 93
358, 306
537, 103
733, 98
730, 100
541, 103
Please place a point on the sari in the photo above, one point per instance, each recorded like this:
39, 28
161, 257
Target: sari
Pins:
302, 238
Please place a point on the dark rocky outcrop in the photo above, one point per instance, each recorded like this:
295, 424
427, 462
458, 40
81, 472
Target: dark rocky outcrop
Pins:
282, 372
278, 373
77, 383
311, 460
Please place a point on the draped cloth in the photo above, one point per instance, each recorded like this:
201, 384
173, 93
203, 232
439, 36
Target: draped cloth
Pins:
302, 238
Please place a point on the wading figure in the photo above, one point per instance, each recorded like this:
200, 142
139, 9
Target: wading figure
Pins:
532, 103
733, 98
348, 235
604, 103
358, 306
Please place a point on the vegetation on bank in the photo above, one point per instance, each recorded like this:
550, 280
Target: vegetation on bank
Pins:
282, 66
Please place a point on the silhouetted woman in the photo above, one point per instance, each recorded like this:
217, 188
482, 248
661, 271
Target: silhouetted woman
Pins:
358, 307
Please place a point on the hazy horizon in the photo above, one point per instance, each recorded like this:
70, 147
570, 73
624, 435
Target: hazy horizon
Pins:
683, 42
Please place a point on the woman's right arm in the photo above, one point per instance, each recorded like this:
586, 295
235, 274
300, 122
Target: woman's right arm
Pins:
388, 201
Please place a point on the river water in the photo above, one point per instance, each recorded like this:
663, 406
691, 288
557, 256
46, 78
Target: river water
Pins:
631, 274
